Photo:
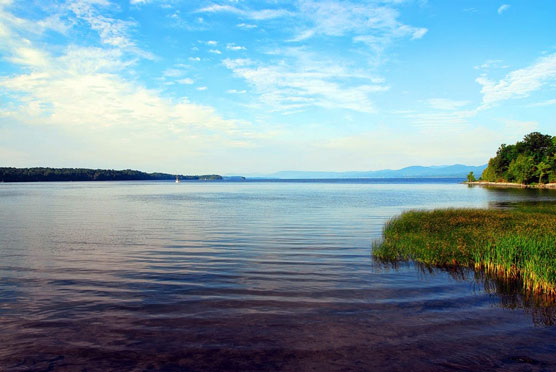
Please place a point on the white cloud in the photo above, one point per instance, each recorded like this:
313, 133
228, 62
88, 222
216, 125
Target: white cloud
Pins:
215, 51
246, 25
503, 8
28, 57
519, 83
194, 59
82, 92
446, 104
263, 14
27, 28
63, 93
56, 23
235, 91
443, 118
233, 64
173, 72
201, 88
300, 80
371, 23
491, 63
186, 81
232, 46
211, 42
112, 31
418, 33
549, 102
297, 80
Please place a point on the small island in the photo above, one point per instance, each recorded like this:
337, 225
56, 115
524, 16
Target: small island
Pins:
513, 244
39, 174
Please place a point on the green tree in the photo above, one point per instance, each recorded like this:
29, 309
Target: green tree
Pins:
489, 174
522, 169
542, 170
537, 145
529, 160
503, 158
471, 177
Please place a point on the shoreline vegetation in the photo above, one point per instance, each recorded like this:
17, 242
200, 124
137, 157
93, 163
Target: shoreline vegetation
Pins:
39, 174
512, 185
531, 161
514, 244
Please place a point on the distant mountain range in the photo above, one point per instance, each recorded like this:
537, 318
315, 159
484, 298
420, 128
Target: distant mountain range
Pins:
441, 171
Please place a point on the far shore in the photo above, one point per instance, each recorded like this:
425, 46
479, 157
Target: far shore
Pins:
512, 185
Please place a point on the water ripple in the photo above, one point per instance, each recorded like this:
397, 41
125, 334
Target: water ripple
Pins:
245, 276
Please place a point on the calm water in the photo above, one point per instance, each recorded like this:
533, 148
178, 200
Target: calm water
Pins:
246, 276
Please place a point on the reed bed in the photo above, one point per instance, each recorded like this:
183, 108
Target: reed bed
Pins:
512, 243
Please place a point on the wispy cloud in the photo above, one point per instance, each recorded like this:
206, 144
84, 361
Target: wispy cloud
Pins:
112, 31
519, 83
21, 27
549, 102
262, 14
83, 89
232, 46
299, 80
446, 117
186, 81
61, 91
373, 24
246, 25
446, 104
503, 8
491, 63
337, 18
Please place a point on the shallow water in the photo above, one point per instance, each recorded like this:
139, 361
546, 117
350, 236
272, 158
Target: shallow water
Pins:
245, 276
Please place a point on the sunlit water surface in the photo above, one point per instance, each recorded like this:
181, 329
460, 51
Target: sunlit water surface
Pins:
246, 276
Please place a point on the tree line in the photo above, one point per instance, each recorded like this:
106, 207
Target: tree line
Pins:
532, 160
39, 174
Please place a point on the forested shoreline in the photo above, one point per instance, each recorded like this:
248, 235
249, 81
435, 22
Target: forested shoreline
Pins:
40, 174
530, 161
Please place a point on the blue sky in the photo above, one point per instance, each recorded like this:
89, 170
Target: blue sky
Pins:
238, 86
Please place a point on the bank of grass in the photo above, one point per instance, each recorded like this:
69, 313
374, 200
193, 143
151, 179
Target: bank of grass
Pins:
519, 242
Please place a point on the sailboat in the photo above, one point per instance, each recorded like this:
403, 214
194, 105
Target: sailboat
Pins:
177, 179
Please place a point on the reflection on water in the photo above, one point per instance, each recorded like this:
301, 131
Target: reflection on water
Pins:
244, 276
509, 292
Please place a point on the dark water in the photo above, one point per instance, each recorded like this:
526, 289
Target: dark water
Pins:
246, 276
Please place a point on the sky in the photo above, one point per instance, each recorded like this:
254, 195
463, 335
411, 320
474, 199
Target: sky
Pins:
246, 87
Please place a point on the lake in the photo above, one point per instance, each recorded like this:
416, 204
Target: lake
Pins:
261, 275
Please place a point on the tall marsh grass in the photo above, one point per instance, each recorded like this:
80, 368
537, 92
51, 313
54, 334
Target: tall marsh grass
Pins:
515, 243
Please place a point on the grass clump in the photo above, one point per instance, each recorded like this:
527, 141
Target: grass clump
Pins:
515, 243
